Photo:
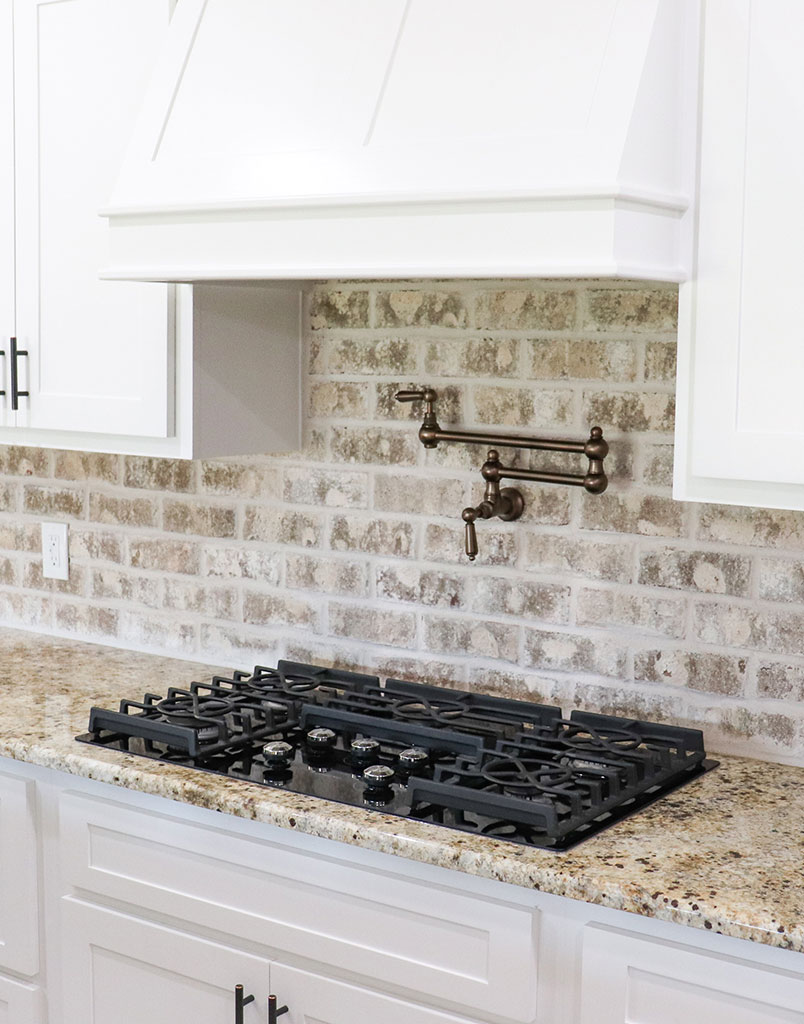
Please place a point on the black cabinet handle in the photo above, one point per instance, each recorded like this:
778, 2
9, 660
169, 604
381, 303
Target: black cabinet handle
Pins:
2, 353
273, 1012
240, 1002
14, 354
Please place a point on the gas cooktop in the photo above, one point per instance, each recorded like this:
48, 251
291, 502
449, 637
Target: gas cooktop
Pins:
491, 766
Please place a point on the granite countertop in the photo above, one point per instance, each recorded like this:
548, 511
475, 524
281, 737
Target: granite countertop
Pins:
724, 853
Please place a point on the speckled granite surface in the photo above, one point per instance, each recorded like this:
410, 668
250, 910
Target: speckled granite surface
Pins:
726, 853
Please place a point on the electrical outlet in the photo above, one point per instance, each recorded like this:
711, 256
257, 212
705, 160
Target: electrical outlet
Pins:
55, 560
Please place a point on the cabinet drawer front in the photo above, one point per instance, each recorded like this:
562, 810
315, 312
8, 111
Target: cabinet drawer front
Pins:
119, 970
436, 941
19, 884
632, 979
20, 1003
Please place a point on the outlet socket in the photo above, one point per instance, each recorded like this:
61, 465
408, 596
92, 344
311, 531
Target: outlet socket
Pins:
55, 560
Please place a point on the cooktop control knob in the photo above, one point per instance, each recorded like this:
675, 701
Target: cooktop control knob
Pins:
364, 750
320, 739
377, 777
277, 754
413, 760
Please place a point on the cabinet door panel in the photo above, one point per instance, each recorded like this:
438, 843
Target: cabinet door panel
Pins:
19, 904
6, 201
120, 969
100, 351
741, 367
311, 999
631, 979
20, 1003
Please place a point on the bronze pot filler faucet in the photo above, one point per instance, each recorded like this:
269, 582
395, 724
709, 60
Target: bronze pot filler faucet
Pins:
507, 503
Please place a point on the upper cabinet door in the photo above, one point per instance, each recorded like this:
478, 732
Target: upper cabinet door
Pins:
6, 201
741, 340
100, 352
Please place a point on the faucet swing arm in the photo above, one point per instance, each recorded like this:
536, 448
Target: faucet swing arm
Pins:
507, 503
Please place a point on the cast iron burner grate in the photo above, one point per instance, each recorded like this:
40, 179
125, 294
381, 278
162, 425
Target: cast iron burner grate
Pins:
508, 769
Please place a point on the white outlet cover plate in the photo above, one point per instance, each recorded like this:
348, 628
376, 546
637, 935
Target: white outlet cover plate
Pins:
55, 559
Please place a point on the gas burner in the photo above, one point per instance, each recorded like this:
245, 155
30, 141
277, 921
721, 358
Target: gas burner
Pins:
511, 770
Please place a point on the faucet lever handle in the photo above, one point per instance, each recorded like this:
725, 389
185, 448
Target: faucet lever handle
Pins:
471, 541
424, 395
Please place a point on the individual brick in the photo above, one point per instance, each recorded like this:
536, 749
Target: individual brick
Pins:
328, 399
238, 646
499, 595
9, 496
696, 670
731, 625
155, 631
372, 536
203, 520
214, 602
330, 488
430, 587
545, 504
53, 501
86, 620
641, 612
426, 669
93, 544
274, 526
781, 680
628, 702
472, 357
23, 536
630, 411
278, 610
372, 625
574, 652
28, 610
539, 309
523, 407
761, 728
593, 559
755, 527
648, 515
781, 579
113, 510
16, 460
411, 307
657, 468
374, 445
660, 360
164, 555
8, 571
339, 308
158, 474
87, 466
241, 479
327, 575
118, 585
445, 543
370, 355
471, 636
589, 359
241, 563
403, 493
709, 572
632, 309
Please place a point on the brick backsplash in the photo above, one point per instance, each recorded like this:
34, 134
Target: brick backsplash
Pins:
350, 551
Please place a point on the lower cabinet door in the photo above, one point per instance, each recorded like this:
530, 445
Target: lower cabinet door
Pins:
20, 1003
311, 999
19, 902
634, 979
117, 969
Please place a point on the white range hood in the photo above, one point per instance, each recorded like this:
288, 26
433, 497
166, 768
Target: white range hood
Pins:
298, 139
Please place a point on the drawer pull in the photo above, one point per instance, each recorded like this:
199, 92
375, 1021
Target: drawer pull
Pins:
273, 1012
241, 1001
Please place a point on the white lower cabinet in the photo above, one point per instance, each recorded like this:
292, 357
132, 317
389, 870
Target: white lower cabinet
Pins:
19, 903
117, 969
635, 979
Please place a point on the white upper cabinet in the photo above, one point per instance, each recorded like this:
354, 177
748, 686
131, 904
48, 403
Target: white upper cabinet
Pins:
106, 365
412, 137
740, 432
98, 351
